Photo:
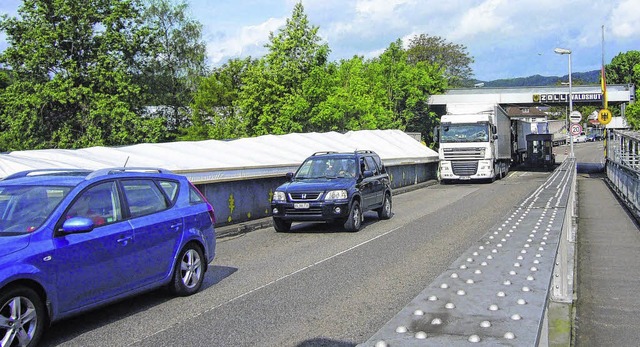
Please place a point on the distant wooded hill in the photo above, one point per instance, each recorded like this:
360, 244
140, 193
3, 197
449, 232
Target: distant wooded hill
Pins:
577, 78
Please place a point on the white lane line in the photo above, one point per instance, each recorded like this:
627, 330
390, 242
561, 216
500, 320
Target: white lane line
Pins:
268, 284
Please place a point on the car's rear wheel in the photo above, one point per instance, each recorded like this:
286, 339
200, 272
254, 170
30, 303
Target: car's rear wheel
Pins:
188, 274
354, 221
22, 317
281, 226
384, 212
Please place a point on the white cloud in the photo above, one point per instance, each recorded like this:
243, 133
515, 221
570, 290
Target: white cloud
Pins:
378, 10
249, 40
625, 19
481, 19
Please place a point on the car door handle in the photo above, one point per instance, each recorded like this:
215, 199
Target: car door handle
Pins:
175, 226
125, 240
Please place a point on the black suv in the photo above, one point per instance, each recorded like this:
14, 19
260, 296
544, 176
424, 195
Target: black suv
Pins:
335, 188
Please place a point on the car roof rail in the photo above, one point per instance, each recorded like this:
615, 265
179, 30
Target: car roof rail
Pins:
48, 172
117, 170
324, 152
363, 151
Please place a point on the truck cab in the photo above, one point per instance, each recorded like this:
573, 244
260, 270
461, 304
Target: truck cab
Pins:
474, 143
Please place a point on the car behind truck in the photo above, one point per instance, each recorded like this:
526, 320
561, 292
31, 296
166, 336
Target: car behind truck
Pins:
474, 143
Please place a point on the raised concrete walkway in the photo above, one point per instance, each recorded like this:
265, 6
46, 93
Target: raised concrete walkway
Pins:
608, 268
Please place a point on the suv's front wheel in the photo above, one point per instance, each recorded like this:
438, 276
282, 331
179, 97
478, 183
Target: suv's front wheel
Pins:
354, 221
281, 226
384, 212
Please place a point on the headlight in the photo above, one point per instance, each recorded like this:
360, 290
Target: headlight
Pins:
336, 195
279, 196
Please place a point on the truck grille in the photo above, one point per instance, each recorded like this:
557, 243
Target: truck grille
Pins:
306, 196
463, 153
464, 168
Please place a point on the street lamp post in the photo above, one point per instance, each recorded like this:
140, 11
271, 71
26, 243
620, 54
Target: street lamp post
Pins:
568, 52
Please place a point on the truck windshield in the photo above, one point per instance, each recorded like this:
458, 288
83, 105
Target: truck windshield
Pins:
464, 133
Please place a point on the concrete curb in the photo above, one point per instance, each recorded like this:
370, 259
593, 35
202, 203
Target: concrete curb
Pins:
267, 222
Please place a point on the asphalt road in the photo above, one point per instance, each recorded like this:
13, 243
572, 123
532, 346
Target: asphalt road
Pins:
314, 286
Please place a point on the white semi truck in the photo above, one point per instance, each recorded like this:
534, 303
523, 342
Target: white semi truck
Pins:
474, 142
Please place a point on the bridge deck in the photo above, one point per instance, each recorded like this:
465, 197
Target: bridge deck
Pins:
497, 291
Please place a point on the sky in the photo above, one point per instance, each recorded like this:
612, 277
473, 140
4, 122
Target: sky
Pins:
506, 38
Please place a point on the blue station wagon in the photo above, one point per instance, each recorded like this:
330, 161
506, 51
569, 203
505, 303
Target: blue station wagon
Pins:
72, 240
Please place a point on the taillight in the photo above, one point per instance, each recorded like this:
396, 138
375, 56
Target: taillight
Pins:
212, 213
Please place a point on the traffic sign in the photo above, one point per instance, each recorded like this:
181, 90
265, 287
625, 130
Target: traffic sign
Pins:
575, 116
576, 129
604, 116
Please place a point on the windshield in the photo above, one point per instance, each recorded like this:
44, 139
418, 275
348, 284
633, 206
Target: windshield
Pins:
464, 133
23, 209
327, 168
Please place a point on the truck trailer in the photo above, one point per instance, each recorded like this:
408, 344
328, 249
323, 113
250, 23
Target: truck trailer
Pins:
474, 143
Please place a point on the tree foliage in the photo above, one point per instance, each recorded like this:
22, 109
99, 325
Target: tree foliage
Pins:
214, 113
114, 72
174, 62
452, 58
272, 98
625, 69
72, 62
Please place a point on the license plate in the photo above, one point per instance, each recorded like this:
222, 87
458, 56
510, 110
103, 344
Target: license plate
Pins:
301, 205
465, 178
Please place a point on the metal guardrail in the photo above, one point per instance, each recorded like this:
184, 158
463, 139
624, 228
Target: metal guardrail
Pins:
498, 291
623, 167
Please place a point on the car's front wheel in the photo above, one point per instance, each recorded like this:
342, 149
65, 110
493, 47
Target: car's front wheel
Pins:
384, 212
281, 226
22, 317
188, 274
354, 221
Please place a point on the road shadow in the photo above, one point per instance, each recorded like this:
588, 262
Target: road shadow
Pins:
590, 168
370, 217
324, 342
70, 328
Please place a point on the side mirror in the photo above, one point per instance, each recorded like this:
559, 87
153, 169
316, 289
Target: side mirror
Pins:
77, 225
290, 176
495, 136
367, 173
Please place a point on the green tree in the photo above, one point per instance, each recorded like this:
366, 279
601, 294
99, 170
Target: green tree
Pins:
214, 113
6, 79
452, 58
174, 63
622, 69
72, 62
408, 87
625, 69
272, 98
350, 102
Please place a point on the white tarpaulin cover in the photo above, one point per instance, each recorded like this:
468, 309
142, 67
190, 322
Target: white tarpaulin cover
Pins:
214, 160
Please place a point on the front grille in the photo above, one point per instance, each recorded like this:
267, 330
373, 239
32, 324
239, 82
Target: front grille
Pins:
312, 211
464, 168
463, 153
306, 196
